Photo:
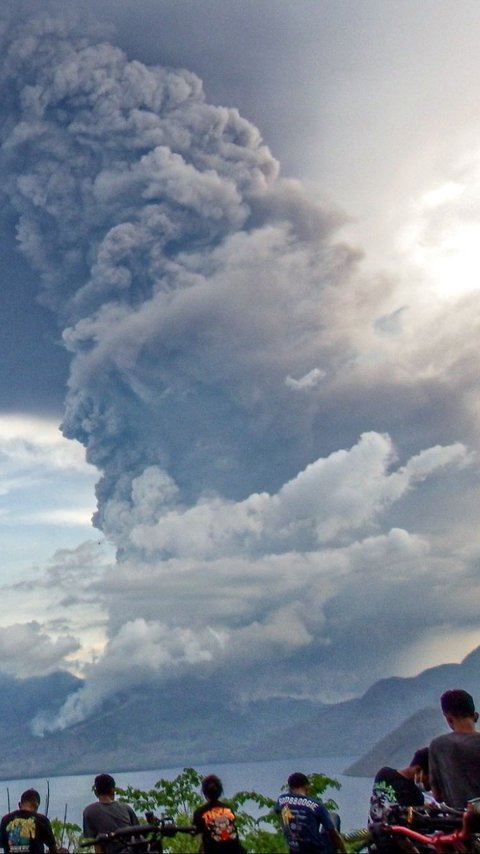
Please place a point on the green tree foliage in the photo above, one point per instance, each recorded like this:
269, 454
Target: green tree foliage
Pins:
176, 798
319, 783
261, 831
67, 835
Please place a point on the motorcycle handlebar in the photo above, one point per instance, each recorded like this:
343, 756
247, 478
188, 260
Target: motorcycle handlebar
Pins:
157, 826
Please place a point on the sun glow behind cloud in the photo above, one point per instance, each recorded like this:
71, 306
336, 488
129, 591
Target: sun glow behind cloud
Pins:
446, 643
442, 240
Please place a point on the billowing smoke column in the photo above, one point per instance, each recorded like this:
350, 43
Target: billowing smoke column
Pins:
198, 293
189, 279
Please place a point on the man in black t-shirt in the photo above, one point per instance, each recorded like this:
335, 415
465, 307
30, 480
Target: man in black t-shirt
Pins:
399, 787
26, 831
215, 821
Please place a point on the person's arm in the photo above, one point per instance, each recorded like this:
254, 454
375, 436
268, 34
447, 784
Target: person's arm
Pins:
327, 822
4, 838
133, 817
197, 821
86, 829
89, 832
337, 840
435, 777
47, 834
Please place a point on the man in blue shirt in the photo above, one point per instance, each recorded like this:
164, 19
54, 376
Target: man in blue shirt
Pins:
307, 824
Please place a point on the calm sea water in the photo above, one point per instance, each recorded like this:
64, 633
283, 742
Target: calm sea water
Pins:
264, 777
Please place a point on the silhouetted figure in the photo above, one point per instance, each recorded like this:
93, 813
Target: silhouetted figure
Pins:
215, 821
26, 831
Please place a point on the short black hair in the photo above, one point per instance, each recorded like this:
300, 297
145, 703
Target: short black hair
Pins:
420, 758
458, 703
30, 796
297, 780
104, 784
212, 787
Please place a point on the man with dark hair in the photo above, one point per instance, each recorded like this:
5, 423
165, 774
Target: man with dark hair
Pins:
106, 815
455, 756
307, 824
26, 831
392, 786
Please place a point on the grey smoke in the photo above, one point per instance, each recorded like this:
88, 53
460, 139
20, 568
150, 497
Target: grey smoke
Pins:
168, 247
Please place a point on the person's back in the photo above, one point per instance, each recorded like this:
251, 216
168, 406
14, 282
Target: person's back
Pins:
25, 830
455, 756
215, 821
107, 815
456, 767
306, 822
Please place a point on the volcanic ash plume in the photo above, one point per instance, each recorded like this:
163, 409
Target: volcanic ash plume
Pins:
187, 277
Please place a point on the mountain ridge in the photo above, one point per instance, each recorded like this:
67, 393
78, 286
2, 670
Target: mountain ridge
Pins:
196, 721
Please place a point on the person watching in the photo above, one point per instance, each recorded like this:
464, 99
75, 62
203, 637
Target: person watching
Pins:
402, 786
106, 815
25, 829
307, 825
215, 821
455, 756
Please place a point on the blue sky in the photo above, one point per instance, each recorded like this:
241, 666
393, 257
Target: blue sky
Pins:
240, 278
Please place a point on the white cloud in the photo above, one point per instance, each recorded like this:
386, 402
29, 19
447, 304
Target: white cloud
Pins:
310, 380
344, 492
45, 485
55, 598
27, 650
61, 516
28, 442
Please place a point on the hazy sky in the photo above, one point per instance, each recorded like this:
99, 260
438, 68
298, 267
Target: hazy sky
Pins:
240, 267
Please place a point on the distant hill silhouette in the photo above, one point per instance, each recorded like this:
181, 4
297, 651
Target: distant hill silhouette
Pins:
193, 721
354, 727
399, 746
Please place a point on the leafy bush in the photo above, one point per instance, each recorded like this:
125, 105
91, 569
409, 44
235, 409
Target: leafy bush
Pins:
67, 835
